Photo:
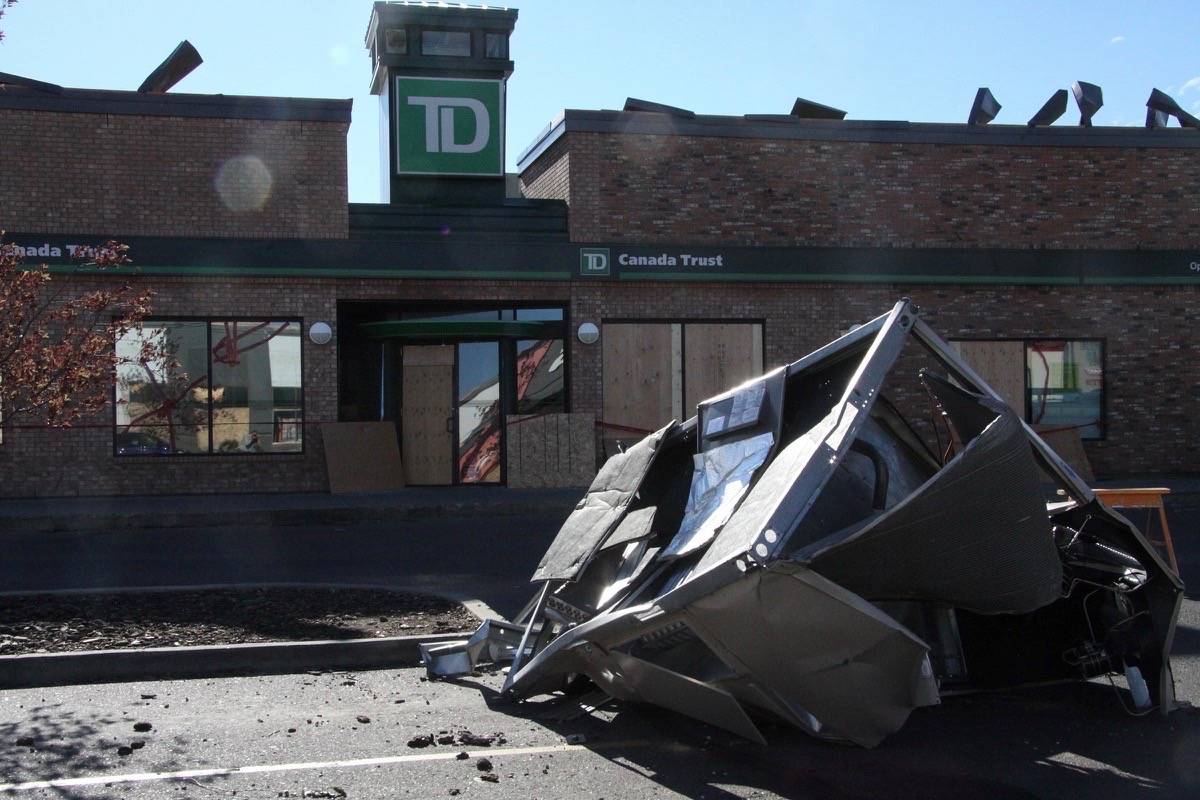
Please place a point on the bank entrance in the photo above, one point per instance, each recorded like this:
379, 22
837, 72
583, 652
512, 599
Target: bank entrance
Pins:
450, 378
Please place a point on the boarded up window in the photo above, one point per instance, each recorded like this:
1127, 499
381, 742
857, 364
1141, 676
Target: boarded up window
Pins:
654, 372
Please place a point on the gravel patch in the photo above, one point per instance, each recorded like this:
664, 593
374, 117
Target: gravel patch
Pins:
77, 622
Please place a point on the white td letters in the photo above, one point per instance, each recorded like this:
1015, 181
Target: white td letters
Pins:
439, 124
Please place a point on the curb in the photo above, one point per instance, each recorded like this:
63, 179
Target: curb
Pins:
282, 517
212, 661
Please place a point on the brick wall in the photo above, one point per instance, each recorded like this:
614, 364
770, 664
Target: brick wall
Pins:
549, 177
1152, 378
636, 188
172, 176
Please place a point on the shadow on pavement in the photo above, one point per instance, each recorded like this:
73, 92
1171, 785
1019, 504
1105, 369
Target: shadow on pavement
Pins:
52, 743
1070, 740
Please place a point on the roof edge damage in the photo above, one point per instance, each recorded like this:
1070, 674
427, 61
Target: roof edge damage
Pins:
827, 129
23, 94
798, 550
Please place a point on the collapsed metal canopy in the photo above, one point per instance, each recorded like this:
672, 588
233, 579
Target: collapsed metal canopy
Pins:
796, 549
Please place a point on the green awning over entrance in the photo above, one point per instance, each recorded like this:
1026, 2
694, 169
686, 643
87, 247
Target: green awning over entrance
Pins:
460, 329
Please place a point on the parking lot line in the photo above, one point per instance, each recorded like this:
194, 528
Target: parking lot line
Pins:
259, 769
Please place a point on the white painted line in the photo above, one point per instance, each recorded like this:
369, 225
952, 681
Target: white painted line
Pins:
220, 772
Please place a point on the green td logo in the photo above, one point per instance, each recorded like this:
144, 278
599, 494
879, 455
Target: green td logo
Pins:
449, 126
593, 261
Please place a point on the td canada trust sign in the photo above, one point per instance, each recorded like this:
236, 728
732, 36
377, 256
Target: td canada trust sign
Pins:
449, 126
597, 262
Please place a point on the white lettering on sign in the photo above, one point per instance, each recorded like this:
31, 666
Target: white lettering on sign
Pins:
439, 123
1196, 266
47, 250
668, 260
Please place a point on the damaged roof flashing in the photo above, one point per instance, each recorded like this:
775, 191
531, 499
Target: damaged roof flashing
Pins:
796, 550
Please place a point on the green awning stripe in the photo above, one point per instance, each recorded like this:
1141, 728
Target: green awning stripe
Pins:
429, 329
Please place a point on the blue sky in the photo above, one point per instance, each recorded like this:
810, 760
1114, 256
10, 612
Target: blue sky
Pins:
920, 61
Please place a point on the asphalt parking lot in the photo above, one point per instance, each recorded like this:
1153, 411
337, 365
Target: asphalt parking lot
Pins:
287, 735
282, 736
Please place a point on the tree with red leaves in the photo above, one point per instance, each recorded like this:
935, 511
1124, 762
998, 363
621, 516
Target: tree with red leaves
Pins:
57, 340
57, 345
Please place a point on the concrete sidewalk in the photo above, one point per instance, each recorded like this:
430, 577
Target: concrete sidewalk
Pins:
277, 510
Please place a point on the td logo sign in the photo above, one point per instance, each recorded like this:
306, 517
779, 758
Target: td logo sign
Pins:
593, 261
449, 126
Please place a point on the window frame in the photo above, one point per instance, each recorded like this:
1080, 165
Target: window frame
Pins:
1026, 341
208, 322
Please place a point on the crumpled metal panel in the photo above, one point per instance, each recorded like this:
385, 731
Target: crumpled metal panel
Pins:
976, 536
820, 649
600, 510
721, 477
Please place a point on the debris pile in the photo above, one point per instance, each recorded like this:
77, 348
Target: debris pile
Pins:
800, 548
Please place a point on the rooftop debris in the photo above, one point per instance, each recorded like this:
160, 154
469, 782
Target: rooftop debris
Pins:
798, 549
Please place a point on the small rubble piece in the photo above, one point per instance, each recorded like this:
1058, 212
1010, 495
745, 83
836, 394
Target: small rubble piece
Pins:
463, 756
490, 777
816, 556
478, 740
332, 793
446, 739
149, 696
576, 738
363, 719
137, 744
424, 740
25, 741
455, 792
124, 751
142, 727
484, 765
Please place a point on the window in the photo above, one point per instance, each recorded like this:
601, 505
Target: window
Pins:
1065, 385
203, 386
395, 40
496, 45
446, 43
1057, 383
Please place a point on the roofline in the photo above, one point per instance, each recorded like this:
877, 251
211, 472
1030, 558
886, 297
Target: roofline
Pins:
787, 127
219, 106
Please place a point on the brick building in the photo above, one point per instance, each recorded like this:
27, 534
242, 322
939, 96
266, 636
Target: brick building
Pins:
646, 258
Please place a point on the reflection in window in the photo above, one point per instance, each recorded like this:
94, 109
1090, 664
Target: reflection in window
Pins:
540, 314
446, 43
162, 390
201, 387
395, 40
255, 375
541, 376
1065, 381
479, 412
496, 45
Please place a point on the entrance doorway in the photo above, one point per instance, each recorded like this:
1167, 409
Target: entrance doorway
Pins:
450, 413
451, 379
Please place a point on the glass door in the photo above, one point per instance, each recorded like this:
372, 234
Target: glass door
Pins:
478, 413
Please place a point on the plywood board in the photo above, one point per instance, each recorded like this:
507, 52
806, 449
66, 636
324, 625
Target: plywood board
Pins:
425, 411
550, 450
362, 457
636, 371
1002, 365
718, 356
1069, 446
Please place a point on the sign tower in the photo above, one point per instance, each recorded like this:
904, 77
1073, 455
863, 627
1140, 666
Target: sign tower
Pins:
440, 73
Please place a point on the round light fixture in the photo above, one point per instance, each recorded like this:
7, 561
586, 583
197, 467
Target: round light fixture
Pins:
320, 333
588, 333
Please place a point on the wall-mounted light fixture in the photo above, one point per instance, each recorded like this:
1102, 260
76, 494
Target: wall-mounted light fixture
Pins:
588, 333
320, 333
